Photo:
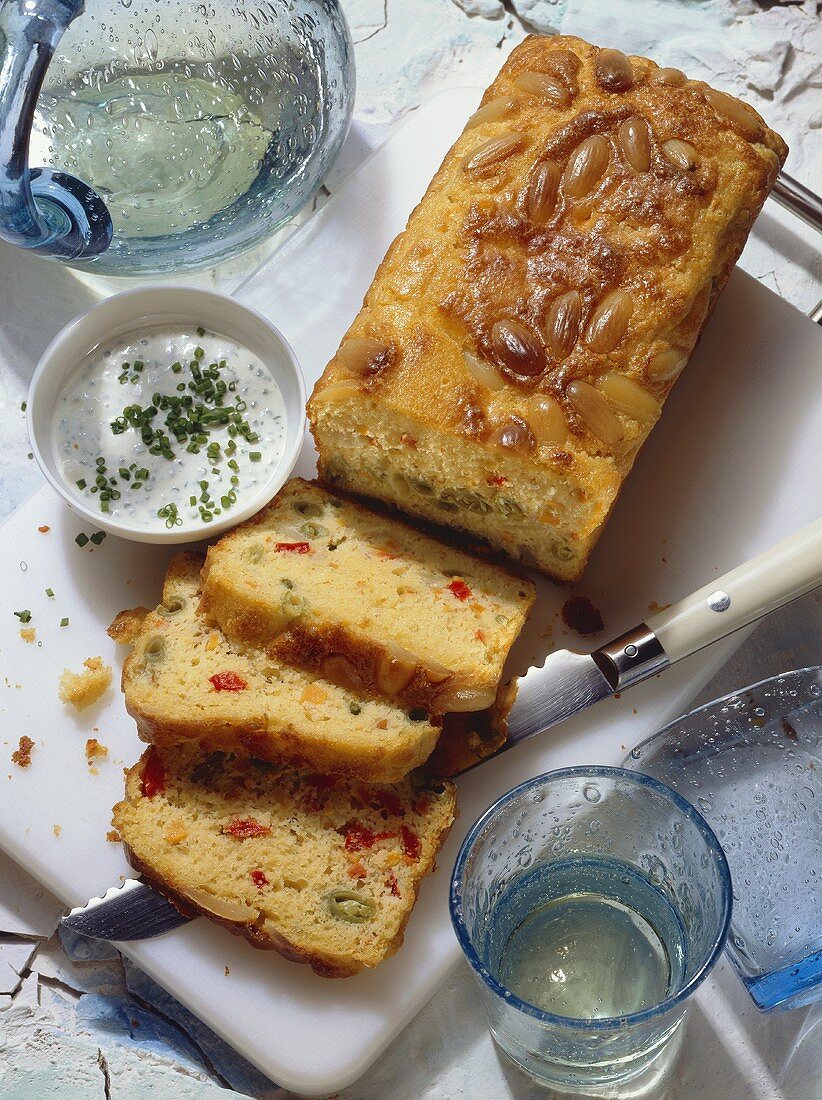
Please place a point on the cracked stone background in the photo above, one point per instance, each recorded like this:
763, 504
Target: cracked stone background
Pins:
77, 1022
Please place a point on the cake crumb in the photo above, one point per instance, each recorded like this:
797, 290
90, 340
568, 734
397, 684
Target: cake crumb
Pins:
227, 971
112, 836
22, 754
57, 829
82, 689
44, 529
94, 749
28, 634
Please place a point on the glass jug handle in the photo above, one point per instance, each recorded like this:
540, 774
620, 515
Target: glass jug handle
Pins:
47, 211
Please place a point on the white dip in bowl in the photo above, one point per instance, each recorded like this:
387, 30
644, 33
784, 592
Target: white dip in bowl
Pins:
167, 414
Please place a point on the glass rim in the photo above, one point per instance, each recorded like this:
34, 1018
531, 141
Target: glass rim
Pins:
608, 1022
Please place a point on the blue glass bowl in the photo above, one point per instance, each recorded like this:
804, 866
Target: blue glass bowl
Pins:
750, 763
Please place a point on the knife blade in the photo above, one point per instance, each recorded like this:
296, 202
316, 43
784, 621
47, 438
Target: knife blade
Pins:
132, 911
567, 683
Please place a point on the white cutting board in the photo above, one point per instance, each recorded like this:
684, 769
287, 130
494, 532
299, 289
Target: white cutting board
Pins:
732, 467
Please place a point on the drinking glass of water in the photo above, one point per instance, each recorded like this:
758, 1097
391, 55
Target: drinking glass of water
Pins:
590, 903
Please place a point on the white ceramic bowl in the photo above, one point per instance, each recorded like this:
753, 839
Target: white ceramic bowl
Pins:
149, 307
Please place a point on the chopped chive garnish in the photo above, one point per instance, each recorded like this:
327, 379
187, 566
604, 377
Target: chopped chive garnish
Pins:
169, 513
64, 622
49, 592
181, 420
98, 537
23, 406
81, 539
24, 616
201, 331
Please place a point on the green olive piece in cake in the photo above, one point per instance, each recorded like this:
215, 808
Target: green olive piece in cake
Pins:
323, 870
366, 601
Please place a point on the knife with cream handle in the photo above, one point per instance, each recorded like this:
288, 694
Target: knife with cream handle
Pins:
566, 683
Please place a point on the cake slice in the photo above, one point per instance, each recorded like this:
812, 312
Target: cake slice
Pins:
521, 336
366, 601
185, 682
322, 870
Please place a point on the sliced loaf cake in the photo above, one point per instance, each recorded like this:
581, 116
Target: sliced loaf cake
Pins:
366, 601
184, 681
323, 870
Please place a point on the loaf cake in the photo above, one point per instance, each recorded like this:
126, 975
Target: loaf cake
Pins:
520, 337
325, 871
185, 682
366, 601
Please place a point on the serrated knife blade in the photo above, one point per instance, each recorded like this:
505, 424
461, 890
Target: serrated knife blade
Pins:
132, 911
566, 683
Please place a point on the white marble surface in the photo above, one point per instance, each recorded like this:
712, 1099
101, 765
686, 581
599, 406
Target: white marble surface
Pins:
89, 1028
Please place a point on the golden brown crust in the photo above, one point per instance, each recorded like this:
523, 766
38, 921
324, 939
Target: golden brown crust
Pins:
307, 647
578, 232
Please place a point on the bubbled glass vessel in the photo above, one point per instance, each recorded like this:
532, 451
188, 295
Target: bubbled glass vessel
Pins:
202, 127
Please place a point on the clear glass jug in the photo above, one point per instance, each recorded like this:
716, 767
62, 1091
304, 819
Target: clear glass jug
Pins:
166, 134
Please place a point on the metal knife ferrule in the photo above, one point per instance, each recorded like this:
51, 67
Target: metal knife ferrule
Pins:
632, 657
